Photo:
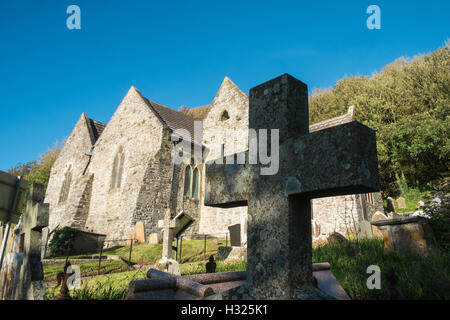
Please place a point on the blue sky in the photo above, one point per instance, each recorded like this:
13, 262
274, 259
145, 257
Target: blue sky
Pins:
178, 52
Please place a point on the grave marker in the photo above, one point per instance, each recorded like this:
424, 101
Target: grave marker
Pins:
335, 161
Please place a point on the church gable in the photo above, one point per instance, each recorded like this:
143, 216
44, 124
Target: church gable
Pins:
129, 142
65, 187
225, 128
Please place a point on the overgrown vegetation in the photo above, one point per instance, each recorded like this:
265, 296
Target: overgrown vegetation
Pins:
419, 277
437, 207
407, 104
62, 241
38, 171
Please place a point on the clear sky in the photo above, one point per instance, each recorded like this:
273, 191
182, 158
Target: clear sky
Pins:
178, 52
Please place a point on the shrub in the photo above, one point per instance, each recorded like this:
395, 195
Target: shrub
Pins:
62, 241
437, 207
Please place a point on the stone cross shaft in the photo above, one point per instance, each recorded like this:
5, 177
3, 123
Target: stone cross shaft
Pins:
168, 224
335, 161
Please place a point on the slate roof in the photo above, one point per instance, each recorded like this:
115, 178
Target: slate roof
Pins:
172, 118
97, 128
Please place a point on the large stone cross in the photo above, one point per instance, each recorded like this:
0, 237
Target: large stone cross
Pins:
335, 161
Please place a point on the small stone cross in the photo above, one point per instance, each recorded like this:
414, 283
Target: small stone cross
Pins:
168, 224
334, 161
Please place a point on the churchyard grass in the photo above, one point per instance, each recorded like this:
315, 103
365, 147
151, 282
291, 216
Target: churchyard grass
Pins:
419, 277
87, 269
115, 286
412, 197
192, 251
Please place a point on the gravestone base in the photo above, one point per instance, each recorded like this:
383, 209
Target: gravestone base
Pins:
231, 253
406, 235
243, 293
37, 290
169, 265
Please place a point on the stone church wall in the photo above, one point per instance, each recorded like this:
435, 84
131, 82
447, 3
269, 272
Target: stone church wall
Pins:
136, 129
71, 212
226, 124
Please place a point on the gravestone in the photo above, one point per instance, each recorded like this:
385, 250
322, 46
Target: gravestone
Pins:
335, 161
172, 228
406, 235
235, 235
139, 232
376, 217
401, 202
29, 284
390, 207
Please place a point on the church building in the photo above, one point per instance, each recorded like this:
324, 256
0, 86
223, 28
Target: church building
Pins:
118, 178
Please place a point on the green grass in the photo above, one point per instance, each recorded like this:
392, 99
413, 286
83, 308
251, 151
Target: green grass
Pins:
87, 269
115, 286
412, 197
419, 277
107, 287
192, 251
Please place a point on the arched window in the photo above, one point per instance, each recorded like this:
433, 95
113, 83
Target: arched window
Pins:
117, 170
224, 116
187, 181
195, 183
66, 185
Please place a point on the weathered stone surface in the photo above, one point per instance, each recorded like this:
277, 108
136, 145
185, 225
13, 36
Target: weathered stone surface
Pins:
408, 234
169, 265
401, 202
139, 232
376, 217
231, 253
213, 286
235, 235
22, 278
279, 222
155, 238
337, 237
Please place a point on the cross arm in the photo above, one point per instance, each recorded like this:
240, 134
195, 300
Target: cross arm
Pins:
229, 185
335, 161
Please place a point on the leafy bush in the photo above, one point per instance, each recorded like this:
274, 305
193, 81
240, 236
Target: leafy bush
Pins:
406, 103
438, 208
62, 241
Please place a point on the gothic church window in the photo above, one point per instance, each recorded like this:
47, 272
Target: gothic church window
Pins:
66, 185
195, 183
117, 172
187, 181
191, 182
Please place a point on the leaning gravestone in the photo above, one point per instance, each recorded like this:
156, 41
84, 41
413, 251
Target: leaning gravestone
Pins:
335, 161
235, 235
401, 202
